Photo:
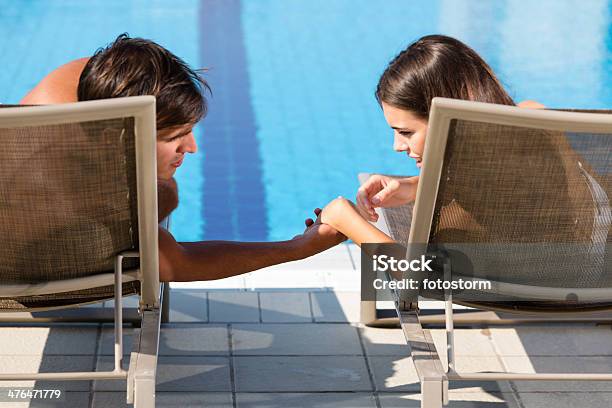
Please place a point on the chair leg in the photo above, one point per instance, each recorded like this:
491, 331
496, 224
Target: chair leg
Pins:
434, 384
367, 311
145, 393
367, 304
143, 364
448, 313
165, 313
431, 394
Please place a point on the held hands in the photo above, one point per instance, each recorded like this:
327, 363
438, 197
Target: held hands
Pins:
385, 191
318, 236
344, 216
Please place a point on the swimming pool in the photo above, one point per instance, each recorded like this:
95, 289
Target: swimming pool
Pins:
292, 117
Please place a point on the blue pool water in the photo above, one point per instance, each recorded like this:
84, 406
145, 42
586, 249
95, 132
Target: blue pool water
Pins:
292, 117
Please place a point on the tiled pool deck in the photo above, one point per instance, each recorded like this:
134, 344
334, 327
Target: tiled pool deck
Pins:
289, 336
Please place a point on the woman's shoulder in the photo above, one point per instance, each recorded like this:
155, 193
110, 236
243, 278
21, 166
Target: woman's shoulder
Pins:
530, 105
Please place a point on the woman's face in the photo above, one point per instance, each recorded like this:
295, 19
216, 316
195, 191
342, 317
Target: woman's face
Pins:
172, 144
409, 131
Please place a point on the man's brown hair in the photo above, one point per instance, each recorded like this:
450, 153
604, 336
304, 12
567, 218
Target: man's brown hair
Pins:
136, 66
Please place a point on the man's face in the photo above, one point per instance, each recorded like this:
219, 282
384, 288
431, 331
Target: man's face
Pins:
172, 144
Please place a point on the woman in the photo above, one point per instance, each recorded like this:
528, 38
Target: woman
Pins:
433, 66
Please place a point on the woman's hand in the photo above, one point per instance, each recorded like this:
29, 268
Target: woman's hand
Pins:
332, 213
335, 211
318, 236
343, 215
385, 191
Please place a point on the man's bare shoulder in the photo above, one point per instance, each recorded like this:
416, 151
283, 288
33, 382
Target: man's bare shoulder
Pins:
59, 86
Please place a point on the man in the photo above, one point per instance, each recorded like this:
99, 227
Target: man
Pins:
134, 66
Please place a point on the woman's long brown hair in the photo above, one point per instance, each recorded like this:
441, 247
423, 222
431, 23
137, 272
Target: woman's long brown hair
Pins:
437, 65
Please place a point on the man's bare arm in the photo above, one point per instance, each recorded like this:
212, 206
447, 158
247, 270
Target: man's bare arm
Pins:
208, 260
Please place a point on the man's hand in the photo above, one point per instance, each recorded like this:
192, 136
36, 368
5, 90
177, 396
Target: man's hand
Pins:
318, 237
167, 197
385, 191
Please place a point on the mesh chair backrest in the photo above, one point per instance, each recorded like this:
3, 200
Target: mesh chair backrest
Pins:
530, 206
67, 199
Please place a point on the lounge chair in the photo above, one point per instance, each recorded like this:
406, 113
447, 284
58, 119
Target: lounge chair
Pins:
523, 196
78, 204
